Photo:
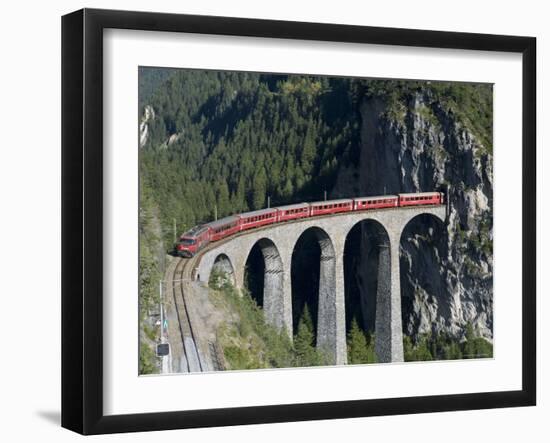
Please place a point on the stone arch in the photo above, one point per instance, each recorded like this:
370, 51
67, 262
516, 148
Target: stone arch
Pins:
222, 264
366, 273
425, 301
264, 258
313, 256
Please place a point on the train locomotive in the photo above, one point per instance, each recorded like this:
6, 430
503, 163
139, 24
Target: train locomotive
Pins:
198, 237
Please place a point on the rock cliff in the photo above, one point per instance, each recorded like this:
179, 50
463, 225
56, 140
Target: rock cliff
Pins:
417, 143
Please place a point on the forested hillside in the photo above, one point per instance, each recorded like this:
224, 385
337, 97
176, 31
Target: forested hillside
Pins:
225, 141
217, 143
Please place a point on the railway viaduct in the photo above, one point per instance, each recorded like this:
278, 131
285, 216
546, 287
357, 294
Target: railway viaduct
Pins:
277, 243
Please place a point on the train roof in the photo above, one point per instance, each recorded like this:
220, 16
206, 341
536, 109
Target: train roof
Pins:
418, 194
223, 221
332, 202
197, 230
258, 212
294, 206
375, 197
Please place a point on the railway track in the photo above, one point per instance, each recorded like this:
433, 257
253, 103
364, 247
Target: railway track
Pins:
186, 340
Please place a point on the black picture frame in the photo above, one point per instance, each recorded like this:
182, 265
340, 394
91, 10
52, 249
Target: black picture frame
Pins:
82, 215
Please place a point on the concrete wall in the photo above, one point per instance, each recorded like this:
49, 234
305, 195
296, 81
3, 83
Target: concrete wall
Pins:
277, 243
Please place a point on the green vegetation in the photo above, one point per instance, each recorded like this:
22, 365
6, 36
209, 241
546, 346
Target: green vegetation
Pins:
306, 354
147, 360
471, 104
242, 137
482, 240
249, 342
360, 346
444, 347
150, 272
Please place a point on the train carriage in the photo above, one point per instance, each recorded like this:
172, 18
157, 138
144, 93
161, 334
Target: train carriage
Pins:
254, 219
421, 198
223, 227
292, 212
377, 202
331, 207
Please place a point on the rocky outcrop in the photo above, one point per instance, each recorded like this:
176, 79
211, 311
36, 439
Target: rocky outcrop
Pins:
148, 115
417, 145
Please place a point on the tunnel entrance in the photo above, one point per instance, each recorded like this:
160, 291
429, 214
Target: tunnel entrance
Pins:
365, 279
424, 297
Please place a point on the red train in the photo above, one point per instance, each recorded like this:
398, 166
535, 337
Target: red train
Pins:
198, 237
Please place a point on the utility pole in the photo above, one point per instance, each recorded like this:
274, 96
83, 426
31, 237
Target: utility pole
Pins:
161, 314
215, 212
175, 231
268, 201
384, 190
325, 195
163, 348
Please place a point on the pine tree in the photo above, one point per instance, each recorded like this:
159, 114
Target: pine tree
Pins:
224, 205
309, 149
357, 345
469, 348
304, 341
423, 348
259, 190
